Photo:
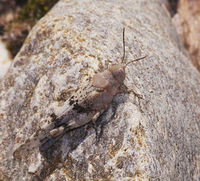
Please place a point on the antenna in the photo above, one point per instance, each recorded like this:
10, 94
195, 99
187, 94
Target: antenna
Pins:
136, 60
123, 45
123, 57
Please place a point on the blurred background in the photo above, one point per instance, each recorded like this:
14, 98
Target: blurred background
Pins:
17, 17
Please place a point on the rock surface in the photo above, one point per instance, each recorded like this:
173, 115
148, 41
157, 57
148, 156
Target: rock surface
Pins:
155, 138
187, 23
5, 59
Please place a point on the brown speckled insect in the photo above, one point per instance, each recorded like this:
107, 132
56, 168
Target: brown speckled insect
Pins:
86, 105
92, 103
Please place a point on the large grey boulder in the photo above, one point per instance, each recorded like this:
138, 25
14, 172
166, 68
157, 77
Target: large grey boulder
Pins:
154, 138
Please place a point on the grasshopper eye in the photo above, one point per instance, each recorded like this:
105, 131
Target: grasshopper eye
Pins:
119, 75
118, 72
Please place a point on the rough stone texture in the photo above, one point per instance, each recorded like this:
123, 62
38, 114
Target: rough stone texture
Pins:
156, 138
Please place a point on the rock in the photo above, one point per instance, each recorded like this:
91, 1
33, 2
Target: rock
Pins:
154, 138
5, 59
187, 23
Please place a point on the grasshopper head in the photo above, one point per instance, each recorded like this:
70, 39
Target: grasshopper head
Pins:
118, 72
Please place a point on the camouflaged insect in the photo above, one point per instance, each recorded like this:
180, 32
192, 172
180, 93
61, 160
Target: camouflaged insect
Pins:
84, 106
